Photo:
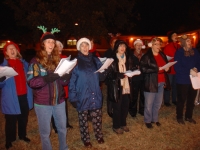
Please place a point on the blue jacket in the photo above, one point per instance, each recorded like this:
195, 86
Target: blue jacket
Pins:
9, 98
184, 64
84, 86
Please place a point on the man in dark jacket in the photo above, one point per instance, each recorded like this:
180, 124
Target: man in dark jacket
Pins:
137, 82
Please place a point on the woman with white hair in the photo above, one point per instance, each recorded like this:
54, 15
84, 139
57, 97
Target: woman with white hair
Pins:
85, 93
188, 62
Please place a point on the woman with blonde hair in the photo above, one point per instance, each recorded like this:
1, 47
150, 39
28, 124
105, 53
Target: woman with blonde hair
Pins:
154, 81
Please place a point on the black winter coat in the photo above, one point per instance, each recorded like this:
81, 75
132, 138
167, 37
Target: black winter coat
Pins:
149, 68
113, 80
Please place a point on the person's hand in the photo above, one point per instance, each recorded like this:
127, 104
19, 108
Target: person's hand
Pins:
193, 72
66, 77
166, 69
120, 75
2, 79
51, 77
74, 104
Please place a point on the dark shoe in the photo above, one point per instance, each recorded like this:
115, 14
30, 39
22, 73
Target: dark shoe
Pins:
125, 128
25, 139
180, 121
167, 104
190, 120
101, 141
174, 103
158, 124
118, 131
69, 126
149, 125
88, 144
141, 113
8, 145
110, 115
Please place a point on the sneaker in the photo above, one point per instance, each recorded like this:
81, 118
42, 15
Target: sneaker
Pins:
125, 128
118, 131
180, 121
149, 125
158, 124
190, 120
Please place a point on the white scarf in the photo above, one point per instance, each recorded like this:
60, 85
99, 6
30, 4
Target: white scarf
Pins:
122, 68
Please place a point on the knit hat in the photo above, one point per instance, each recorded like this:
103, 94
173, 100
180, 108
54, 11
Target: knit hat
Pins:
10, 43
59, 43
47, 35
153, 39
139, 41
81, 41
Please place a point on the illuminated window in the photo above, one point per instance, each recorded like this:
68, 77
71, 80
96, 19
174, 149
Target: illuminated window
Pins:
69, 42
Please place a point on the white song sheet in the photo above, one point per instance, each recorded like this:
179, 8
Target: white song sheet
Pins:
65, 66
195, 81
7, 71
169, 58
168, 65
130, 73
106, 64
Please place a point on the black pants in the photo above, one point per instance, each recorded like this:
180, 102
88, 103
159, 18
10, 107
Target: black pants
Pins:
96, 116
67, 122
22, 119
109, 105
137, 91
120, 111
185, 93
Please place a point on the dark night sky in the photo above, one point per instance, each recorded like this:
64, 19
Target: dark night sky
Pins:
157, 16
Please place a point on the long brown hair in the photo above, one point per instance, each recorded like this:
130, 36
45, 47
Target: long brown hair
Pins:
49, 62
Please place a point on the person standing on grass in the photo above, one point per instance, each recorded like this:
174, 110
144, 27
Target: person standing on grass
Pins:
154, 81
85, 93
16, 95
188, 62
137, 82
170, 50
119, 86
108, 54
60, 48
49, 94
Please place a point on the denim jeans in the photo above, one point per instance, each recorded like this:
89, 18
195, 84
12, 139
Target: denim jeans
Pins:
44, 114
152, 104
167, 94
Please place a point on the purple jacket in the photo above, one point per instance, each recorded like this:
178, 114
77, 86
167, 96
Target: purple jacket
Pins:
45, 93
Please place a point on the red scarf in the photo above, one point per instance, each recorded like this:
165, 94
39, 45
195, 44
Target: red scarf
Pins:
20, 79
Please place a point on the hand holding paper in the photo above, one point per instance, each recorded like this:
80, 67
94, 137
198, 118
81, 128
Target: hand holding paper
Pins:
7, 71
65, 66
105, 65
195, 80
130, 73
167, 65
